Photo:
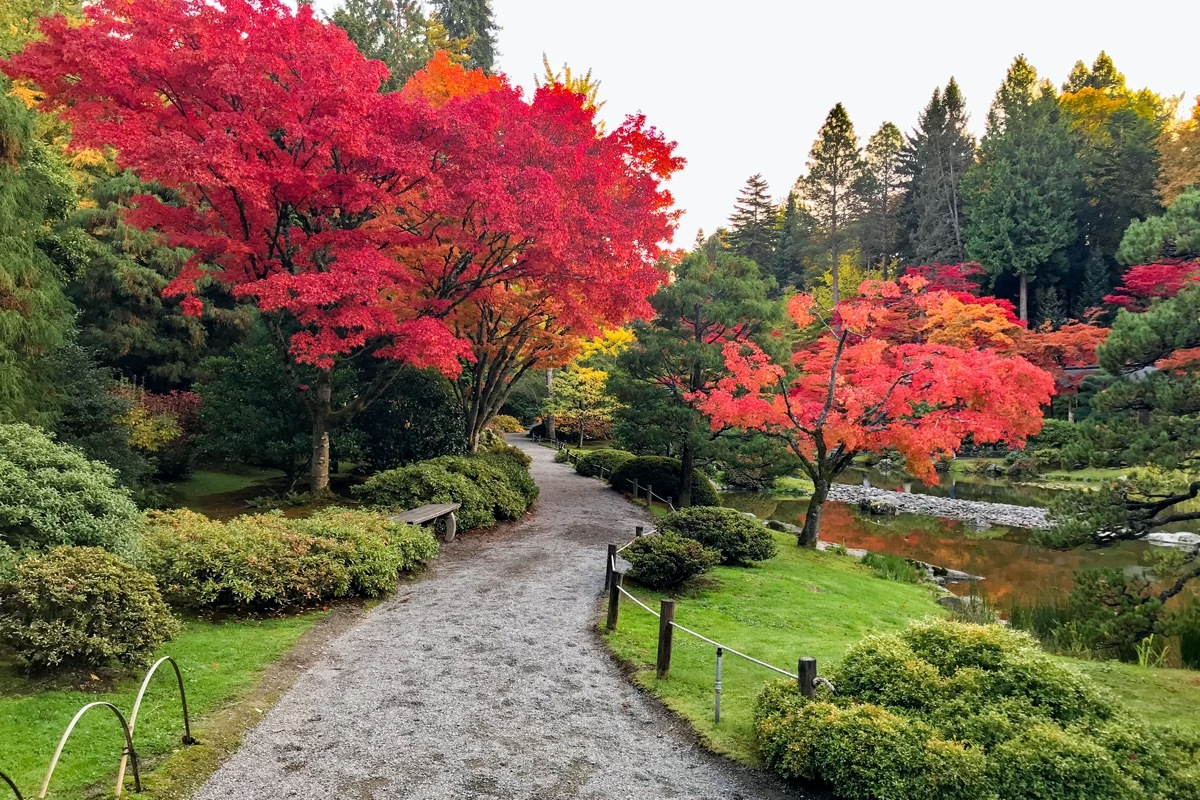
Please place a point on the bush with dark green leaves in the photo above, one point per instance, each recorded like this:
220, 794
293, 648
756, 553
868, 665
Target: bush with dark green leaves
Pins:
416, 419
267, 561
741, 540
82, 607
666, 560
609, 458
662, 474
952, 710
51, 494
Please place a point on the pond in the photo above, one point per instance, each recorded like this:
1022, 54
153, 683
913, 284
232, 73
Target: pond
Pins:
1012, 567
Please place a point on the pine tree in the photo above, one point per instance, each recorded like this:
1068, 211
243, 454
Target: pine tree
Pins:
1097, 282
833, 183
1021, 196
754, 224
936, 157
472, 20
882, 189
398, 33
798, 247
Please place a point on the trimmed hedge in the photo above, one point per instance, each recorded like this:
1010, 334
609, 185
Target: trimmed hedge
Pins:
951, 710
589, 464
83, 607
665, 560
662, 473
267, 561
741, 540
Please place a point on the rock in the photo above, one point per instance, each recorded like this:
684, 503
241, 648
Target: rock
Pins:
877, 507
955, 602
1166, 539
979, 515
784, 527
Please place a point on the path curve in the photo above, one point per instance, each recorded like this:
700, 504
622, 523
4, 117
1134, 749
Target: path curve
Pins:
486, 679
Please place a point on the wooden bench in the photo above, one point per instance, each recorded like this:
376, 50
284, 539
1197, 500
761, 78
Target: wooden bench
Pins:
426, 514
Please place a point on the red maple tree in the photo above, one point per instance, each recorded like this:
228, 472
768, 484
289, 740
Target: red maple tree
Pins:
899, 368
356, 222
1145, 283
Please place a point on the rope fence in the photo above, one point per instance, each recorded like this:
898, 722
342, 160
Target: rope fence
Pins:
604, 472
806, 668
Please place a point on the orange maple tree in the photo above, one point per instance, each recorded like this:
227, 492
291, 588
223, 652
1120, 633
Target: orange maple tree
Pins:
899, 368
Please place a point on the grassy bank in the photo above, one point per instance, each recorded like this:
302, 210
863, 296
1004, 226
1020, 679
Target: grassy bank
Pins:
220, 662
806, 603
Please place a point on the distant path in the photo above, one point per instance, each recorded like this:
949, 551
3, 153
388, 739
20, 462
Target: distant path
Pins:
486, 679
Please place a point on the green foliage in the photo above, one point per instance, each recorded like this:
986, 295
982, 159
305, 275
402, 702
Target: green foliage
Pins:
882, 189
82, 607
1174, 234
754, 223
833, 185
507, 424
944, 709
666, 560
741, 540
473, 21
581, 403
417, 418
893, 568
396, 32
51, 494
589, 463
267, 561
19, 18
662, 474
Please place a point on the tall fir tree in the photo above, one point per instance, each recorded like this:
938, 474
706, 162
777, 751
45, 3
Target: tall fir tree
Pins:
883, 190
472, 20
799, 246
398, 33
833, 184
1021, 195
754, 223
936, 157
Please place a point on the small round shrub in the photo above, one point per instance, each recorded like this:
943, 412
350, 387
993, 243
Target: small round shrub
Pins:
506, 424
740, 539
429, 483
83, 607
610, 458
50, 494
665, 560
662, 473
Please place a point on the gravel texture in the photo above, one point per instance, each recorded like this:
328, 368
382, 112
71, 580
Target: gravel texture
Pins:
974, 511
486, 679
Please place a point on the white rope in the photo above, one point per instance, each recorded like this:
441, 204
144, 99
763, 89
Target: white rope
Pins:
621, 589
729, 649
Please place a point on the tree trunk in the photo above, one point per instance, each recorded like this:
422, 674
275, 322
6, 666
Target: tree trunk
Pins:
322, 413
1024, 298
812, 520
834, 252
687, 467
581, 434
550, 396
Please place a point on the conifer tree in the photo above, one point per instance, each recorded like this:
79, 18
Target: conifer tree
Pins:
882, 190
754, 223
474, 21
398, 33
1020, 196
798, 247
833, 183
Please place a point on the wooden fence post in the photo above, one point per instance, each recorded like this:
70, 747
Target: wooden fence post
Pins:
636, 489
614, 600
650, 495
806, 673
665, 633
608, 566
637, 531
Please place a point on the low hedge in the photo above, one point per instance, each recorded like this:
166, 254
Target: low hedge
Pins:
610, 458
666, 560
662, 473
267, 561
82, 607
741, 540
951, 710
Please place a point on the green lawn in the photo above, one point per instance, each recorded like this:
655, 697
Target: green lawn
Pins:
220, 662
807, 603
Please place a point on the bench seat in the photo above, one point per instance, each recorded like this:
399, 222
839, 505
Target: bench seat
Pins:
430, 513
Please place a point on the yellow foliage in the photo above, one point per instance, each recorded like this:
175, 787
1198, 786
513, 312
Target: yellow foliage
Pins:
609, 343
851, 275
1180, 149
148, 432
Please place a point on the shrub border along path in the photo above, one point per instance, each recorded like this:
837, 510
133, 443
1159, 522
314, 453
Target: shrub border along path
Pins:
486, 679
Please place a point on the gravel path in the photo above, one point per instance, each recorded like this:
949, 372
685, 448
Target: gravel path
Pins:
486, 679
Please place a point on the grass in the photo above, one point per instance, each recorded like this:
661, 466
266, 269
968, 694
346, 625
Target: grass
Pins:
800, 603
220, 662
808, 603
205, 483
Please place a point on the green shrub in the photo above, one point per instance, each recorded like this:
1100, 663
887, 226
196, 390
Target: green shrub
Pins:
50, 494
662, 473
417, 418
893, 568
610, 458
83, 607
506, 424
562, 457
665, 560
515, 465
945, 709
496, 481
267, 561
740, 539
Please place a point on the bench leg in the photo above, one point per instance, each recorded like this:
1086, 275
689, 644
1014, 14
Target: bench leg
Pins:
451, 527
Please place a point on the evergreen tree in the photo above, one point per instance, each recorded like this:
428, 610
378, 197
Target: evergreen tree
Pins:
882, 190
1173, 234
798, 247
19, 20
754, 224
936, 157
1097, 282
474, 21
833, 183
398, 33
1021, 196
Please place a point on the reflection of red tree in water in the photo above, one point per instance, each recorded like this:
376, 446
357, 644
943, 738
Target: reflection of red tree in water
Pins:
1010, 565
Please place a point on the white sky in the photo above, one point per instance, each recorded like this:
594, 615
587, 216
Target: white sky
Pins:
744, 85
